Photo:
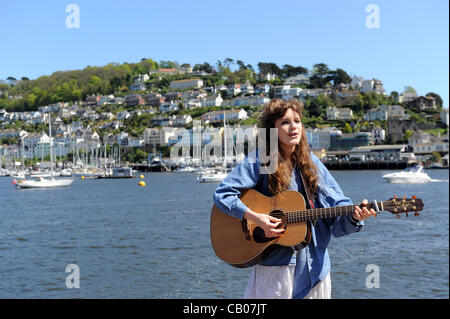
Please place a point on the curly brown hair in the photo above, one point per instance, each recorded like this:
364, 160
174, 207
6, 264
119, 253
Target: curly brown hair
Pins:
280, 180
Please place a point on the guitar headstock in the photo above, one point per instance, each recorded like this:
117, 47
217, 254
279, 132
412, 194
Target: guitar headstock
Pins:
404, 205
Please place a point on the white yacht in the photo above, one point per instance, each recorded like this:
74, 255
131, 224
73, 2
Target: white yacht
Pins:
409, 175
41, 182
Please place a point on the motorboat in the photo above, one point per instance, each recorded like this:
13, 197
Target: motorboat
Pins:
413, 174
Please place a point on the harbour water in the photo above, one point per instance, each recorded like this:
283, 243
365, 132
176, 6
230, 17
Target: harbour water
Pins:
154, 242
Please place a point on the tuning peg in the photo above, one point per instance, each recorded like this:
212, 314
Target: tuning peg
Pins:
395, 196
407, 214
414, 197
404, 197
416, 214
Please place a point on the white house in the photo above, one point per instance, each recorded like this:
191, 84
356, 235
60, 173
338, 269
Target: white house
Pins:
299, 79
335, 113
373, 85
379, 134
289, 93
213, 100
218, 116
425, 143
357, 82
152, 136
384, 112
234, 89
406, 97
247, 88
186, 84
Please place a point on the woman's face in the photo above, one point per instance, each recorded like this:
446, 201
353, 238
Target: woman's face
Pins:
289, 129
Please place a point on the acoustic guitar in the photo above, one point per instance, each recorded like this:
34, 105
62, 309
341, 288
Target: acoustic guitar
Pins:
242, 243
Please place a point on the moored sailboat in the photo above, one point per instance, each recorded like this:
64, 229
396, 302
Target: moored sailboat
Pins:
42, 182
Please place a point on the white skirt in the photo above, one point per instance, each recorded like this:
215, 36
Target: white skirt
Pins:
277, 282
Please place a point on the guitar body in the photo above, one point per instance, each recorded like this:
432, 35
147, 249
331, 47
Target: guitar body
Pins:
241, 243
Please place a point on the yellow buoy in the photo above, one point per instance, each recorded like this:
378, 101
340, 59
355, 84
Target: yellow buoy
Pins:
82, 177
141, 176
141, 183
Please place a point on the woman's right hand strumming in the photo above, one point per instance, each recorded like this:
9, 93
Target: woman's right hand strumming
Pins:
268, 223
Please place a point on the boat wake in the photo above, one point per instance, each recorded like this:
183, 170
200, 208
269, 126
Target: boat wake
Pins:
439, 181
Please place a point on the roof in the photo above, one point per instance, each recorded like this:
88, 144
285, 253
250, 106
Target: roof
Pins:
375, 148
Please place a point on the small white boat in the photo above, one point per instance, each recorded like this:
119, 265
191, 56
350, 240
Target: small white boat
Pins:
186, 169
215, 177
67, 172
408, 175
41, 182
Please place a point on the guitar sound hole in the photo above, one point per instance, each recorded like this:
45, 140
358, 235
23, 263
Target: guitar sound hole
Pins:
259, 235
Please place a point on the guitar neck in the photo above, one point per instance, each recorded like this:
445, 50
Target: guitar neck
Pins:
330, 212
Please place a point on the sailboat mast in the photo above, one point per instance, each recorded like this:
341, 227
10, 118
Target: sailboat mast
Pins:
225, 143
51, 144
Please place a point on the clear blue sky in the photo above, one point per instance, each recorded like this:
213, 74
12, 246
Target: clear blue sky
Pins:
410, 47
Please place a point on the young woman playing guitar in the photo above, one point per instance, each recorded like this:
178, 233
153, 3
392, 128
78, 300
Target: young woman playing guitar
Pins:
290, 272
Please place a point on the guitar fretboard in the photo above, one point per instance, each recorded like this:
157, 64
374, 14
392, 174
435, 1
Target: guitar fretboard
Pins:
320, 213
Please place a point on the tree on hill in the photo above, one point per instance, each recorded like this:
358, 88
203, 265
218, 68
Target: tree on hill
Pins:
321, 75
340, 76
289, 70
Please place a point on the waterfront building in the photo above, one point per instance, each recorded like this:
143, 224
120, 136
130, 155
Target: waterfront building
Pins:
320, 138
346, 141
378, 134
424, 143
378, 152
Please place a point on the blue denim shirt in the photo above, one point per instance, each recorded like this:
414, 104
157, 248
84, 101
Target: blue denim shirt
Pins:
312, 262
